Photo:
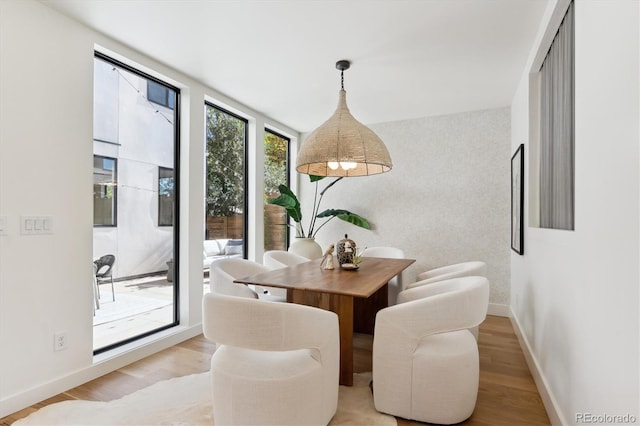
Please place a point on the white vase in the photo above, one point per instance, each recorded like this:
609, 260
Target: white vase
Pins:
306, 247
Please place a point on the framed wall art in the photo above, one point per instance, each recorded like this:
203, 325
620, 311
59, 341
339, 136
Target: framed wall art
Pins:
517, 200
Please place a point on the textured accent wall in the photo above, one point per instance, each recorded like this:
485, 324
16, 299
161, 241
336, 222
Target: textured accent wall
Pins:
446, 200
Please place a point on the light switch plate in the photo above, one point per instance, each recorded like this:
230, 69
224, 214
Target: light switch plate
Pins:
36, 225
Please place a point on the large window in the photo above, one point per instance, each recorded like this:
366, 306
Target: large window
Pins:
226, 202
557, 130
105, 190
135, 146
165, 196
276, 172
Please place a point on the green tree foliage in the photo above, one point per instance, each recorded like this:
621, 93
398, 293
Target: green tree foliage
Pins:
224, 163
275, 165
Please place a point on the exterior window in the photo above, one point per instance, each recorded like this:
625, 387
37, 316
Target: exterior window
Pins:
160, 94
226, 194
165, 196
135, 146
276, 172
105, 191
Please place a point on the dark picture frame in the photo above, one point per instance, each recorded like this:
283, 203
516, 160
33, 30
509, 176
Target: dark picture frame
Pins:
517, 200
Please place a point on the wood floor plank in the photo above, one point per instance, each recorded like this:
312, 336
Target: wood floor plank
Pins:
506, 396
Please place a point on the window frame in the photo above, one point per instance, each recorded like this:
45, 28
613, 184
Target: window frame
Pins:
176, 209
287, 174
115, 193
245, 224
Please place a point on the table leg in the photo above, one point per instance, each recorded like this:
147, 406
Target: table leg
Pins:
344, 309
342, 305
365, 310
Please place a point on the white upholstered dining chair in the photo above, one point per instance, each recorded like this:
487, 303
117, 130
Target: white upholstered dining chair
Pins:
396, 284
276, 363
425, 360
464, 269
276, 259
224, 271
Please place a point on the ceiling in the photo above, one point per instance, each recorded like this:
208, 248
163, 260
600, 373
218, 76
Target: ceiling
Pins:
410, 58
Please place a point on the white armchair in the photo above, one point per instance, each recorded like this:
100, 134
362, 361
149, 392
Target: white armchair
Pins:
396, 284
276, 259
276, 363
425, 361
225, 271
464, 269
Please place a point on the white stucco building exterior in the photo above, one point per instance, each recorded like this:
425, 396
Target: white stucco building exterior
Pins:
139, 134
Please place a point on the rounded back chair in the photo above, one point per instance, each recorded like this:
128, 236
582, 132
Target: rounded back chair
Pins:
458, 270
425, 360
277, 259
464, 269
224, 271
396, 285
276, 363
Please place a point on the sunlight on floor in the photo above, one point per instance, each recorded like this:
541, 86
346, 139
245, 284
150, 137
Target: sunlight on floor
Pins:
141, 305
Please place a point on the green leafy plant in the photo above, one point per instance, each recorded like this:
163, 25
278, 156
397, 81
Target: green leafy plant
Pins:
289, 201
357, 256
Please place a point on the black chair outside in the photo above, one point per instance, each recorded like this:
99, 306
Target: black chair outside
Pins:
104, 268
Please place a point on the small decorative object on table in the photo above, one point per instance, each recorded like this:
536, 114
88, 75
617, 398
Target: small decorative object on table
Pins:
346, 250
355, 260
327, 260
357, 256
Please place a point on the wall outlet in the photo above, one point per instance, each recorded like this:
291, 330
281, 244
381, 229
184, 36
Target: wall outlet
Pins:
60, 341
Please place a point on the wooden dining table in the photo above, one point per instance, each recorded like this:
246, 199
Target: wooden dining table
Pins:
355, 295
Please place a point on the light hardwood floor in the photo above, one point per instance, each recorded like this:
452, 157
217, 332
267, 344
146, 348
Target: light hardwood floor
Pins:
507, 394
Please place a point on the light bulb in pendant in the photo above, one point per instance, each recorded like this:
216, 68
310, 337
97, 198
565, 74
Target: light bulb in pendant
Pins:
348, 165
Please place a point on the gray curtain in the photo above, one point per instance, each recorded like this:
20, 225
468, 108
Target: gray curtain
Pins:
557, 130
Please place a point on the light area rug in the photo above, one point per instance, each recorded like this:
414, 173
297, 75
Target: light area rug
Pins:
187, 401
126, 305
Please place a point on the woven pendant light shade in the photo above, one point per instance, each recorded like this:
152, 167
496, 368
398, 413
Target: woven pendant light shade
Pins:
343, 139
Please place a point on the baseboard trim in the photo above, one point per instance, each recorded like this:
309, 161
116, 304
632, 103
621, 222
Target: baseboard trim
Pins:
102, 364
550, 403
499, 310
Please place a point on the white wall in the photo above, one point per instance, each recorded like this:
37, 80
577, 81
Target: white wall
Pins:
446, 200
46, 115
574, 294
45, 134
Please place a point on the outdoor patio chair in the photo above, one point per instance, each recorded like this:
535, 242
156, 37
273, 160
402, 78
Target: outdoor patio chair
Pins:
104, 269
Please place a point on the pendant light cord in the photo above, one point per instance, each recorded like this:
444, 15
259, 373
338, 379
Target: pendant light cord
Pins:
342, 65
